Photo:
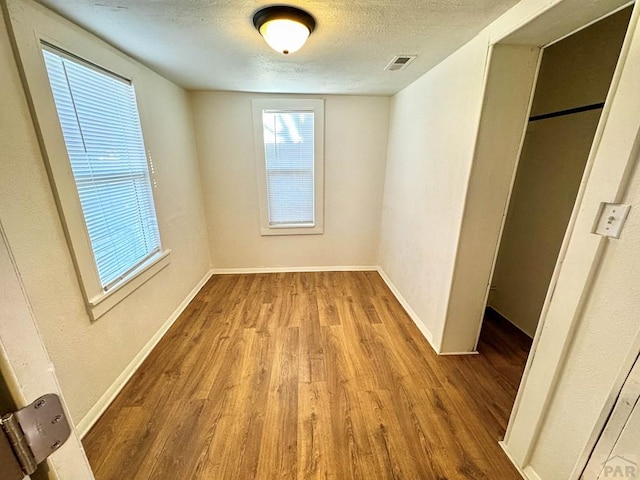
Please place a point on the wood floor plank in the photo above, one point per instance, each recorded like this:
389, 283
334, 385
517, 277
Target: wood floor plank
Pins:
169, 465
253, 392
315, 446
394, 456
279, 443
229, 449
305, 376
312, 364
325, 296
354, 456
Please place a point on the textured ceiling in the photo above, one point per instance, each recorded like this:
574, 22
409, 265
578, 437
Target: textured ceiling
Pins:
212, 45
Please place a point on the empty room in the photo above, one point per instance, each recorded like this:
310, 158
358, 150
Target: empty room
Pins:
346, 240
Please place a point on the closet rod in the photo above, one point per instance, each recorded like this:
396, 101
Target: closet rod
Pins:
569, 111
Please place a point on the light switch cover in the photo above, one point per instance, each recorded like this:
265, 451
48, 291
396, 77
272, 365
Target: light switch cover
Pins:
611, 219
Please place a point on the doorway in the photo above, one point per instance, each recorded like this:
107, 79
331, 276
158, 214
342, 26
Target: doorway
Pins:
573, 81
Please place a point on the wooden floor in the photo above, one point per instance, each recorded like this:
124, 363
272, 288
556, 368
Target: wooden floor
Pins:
309, 375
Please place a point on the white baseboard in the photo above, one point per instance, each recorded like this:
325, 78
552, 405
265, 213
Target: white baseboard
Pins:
413, 315
103, 403
531, 474
340, 268
528, 473
444, 354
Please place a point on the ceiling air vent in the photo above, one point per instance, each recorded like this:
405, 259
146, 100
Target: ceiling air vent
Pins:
400, 62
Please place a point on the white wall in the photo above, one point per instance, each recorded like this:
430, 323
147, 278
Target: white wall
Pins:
355, 149
608, 330
431, 145
575, 72
431, 141
593, 297
509, 83
89, 357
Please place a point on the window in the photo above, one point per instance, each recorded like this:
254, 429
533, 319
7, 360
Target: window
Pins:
100, 125
289, 154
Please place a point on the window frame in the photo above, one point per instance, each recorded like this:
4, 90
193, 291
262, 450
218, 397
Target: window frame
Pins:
31, 30
316, 105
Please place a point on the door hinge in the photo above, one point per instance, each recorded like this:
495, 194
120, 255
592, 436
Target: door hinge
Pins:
33, 433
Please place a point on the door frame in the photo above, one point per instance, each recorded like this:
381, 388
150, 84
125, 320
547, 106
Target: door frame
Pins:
606, 177
25, 364
515, 44
607, 172
605, 438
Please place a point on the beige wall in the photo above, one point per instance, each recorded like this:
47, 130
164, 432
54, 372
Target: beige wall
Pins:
431, 141
355, 149
89, 357
574, 72
551, 166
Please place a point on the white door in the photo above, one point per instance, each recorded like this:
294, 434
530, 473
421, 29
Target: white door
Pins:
617, 452
25, 365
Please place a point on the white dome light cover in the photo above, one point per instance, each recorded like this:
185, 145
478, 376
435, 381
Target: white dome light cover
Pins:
284, 28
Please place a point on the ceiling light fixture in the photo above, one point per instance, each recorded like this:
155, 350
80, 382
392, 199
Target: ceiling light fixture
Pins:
284, 28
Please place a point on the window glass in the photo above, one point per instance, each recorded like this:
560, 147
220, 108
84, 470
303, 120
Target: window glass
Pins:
101, 128
289, 162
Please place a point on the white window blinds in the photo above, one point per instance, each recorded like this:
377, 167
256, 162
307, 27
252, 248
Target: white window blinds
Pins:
289, 161
101, 128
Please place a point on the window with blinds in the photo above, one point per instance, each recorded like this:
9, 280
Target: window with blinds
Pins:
289, 149
289, 166
101, 128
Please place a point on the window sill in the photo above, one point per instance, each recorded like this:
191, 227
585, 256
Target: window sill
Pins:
284, 230
101, 304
